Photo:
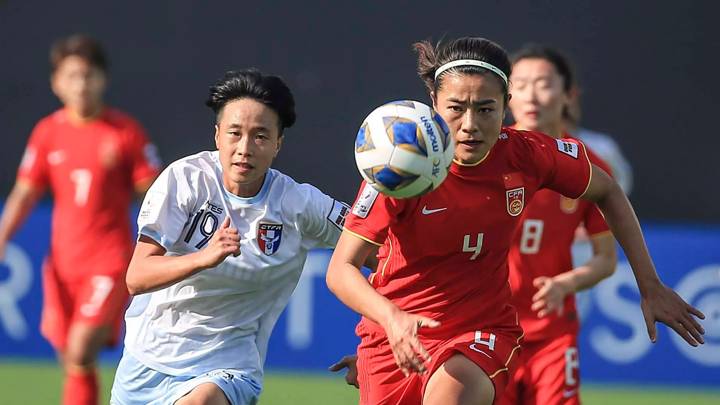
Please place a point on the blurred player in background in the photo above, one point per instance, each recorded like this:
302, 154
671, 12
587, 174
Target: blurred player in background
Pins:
542, 277
222, 242
91, 158
437, 325
602, 144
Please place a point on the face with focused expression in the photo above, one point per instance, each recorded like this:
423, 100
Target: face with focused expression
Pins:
79, 85
539, 97
248, 138
473, 107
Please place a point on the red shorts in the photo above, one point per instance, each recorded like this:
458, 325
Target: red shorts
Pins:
97, 300
382, 382
547, 373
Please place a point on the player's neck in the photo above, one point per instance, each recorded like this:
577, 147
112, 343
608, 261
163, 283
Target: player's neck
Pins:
244, 190
555, 130
83, 116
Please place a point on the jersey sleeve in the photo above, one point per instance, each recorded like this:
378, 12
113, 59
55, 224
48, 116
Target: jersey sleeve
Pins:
166, 208
322, 216
594, 221
372, 215
144, 161
562, 164
34, 165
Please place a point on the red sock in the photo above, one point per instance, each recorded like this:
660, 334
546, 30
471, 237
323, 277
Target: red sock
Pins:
81, 388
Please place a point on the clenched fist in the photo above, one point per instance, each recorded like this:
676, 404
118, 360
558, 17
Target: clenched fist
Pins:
224, 242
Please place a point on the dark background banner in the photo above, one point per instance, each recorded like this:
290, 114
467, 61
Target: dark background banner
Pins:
648, 72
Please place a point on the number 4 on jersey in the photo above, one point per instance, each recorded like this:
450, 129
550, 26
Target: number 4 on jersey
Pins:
485, 339
474, 249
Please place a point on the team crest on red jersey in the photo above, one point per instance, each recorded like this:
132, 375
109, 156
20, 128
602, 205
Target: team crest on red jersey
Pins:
269, 237
515, 200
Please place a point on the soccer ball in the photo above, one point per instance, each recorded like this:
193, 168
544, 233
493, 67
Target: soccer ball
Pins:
404, 149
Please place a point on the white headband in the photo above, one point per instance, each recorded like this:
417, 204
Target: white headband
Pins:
471, 62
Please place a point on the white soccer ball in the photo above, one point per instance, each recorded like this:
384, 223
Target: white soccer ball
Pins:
404, 149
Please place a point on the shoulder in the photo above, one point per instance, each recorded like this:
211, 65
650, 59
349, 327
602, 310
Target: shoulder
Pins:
123, 123
522, 145
120, 118
522, 138
192, 168
186, 179
295, 196
48, 122
201, 161
289, 185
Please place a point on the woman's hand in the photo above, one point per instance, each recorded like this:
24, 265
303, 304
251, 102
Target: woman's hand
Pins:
662, 304
402, 332
550, 296
349, 362
224, 242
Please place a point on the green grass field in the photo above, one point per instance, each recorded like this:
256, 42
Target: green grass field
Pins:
38, 383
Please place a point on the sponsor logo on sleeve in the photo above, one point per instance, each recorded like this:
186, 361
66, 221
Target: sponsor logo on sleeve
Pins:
365, 202
567, 147
269, 237
337, 213
151, 205
515, 199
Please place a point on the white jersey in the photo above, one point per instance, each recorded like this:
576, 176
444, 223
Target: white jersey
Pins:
609, 151
222, 317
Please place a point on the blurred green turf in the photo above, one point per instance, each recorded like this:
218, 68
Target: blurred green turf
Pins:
39, 383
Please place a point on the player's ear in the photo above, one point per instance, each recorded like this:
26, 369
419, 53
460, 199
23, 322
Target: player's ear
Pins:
573, 94
279, 144
54, 85
434, 100
217, 136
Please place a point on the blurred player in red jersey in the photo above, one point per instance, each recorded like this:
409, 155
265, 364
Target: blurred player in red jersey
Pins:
542, 277
92, 158
437, 326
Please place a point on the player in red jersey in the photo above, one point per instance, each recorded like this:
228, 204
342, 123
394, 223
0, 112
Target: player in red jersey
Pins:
91, 158
437, 326
542, 277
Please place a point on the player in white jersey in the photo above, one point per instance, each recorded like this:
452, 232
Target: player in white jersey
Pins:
602, 144
222, 241
608, 149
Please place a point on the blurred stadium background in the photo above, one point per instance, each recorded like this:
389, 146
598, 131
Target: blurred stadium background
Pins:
648, 73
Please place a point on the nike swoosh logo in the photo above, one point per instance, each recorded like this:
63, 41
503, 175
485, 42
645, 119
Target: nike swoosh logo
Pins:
569, 393
56, 157
426, 211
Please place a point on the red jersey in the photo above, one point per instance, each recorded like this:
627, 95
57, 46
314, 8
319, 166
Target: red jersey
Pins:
445, 253
91, 170
542, 247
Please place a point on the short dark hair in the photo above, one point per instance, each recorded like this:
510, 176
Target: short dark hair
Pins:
251, 83
431, 57
554, 56
79, 45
